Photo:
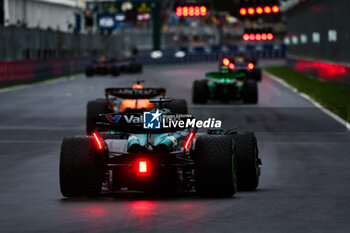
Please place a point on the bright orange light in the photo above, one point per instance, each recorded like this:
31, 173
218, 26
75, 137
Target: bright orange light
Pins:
258, 37
203, 11
267, 9
197, 11
275, 9
97, 140
188, 140
185, 11
243, 11
264, 36
226, 61
259, 10
251, 36
137, 86
269, 36
142, 166
191, 11
251, 11
246, 37
231, 66
250, 66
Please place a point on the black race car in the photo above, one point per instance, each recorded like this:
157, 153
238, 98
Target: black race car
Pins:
137, 155
112, 67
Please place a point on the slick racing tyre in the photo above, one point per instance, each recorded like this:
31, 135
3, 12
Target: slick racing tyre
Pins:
135, 67
177, 106
215, 166
82, 167
257, 74
89, 71
93, 109
248, 161
200, 92
115, 71
250, 92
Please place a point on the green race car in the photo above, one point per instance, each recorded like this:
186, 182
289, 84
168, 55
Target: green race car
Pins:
234, 81
132, 157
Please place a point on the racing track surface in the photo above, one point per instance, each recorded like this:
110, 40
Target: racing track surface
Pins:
305, 182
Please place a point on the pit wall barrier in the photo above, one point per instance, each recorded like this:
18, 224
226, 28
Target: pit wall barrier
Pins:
325, 71
35, 70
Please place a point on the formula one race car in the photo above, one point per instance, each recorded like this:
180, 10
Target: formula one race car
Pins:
159, 159
129, 100
112, 67
230, 83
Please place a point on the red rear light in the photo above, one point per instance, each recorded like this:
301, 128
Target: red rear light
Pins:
251, 36
269, 36
250, 66
259, 10
231, 66
197, 11
246, 37
188, 140
251, 11
143, 166
267, 9
179, 11
264, 36
243, 11
185, 11
226, 61
275, 9
203, 11
98, 141
258, 37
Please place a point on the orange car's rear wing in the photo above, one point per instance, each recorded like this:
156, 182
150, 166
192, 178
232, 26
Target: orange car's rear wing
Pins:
131, 93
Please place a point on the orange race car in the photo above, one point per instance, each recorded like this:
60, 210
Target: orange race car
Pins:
129, 100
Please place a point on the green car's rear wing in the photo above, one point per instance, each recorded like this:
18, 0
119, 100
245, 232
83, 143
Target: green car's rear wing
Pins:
228, 75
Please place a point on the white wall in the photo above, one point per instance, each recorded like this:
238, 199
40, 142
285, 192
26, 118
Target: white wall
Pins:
56, 14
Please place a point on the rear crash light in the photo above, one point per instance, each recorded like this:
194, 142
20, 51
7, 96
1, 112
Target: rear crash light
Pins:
231, 66
226, 61
98, 141
143, 166
188, 140
250, 66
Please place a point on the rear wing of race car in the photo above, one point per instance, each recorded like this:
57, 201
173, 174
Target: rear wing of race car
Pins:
131, 93
146, 123
229, 75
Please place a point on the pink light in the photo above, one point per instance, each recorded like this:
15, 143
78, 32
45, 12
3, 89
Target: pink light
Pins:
188, 140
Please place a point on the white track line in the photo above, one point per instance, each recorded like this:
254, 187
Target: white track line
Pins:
316, 104
40, 83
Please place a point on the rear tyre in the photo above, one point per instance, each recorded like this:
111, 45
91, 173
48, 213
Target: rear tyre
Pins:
215, 166
248, 161
257, 74
89, 71
93, 109
115, 71
200, 92
250, 92
82, 167
177, 106
135, 68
